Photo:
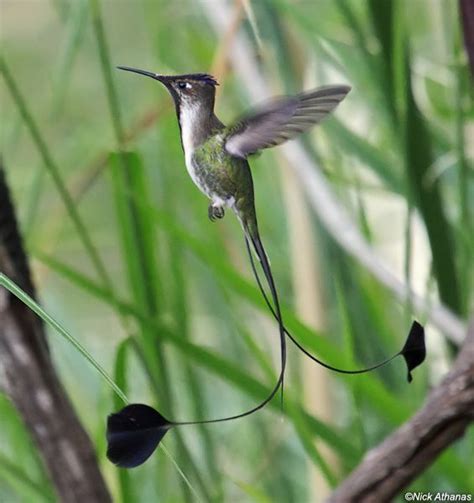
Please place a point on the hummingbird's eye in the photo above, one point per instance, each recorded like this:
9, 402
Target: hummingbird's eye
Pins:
184, 85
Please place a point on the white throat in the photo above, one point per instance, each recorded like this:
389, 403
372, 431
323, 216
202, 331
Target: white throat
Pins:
188, 118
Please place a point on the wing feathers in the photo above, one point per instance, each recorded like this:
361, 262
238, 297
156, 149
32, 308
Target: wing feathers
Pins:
282, 119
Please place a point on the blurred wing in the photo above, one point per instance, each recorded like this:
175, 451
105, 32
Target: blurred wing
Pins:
282, 119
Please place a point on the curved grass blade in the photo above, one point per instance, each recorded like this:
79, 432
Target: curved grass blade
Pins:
53, 170
27, 300
36, 308
15, 475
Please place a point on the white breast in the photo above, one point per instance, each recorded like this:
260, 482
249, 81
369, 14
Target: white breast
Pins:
187, 118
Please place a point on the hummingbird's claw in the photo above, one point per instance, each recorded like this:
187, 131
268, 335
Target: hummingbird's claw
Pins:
215, 212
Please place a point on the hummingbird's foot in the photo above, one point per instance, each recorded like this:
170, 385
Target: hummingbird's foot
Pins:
215, 211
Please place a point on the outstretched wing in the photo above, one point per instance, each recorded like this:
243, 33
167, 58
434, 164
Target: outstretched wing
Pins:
282, 119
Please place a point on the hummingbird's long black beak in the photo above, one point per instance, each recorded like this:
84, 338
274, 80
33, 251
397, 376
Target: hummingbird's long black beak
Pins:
155, 76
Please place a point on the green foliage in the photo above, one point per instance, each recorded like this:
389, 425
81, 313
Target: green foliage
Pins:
125, 257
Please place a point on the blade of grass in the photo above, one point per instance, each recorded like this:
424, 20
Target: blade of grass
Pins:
16, 444
254, 494
120, 377
381, 13
33, 200
112, 97
36, 308
15, 475
418, 152
428, 197
350, 343
76, 24
408, 252
306, 437
54, 172
353, 144
137, 242
465, 220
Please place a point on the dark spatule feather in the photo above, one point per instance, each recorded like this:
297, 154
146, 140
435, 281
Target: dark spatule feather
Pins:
133, 434
414, 350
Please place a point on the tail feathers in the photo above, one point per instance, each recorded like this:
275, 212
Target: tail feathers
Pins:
253, 234
133, 434
413, 352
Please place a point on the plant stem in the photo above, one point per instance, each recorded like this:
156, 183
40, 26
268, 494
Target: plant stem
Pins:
55, 173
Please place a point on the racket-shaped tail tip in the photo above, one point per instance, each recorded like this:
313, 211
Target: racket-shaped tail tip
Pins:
414, 350
133, 434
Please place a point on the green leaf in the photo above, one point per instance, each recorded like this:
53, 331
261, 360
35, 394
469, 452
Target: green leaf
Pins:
427, 193
120, 376
14, 475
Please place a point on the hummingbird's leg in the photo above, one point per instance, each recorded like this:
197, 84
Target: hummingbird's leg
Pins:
215, 211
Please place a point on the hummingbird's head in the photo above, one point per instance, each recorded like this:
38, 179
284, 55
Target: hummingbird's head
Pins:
187, 90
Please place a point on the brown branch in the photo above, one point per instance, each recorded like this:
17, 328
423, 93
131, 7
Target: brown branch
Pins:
31, 381
447, 413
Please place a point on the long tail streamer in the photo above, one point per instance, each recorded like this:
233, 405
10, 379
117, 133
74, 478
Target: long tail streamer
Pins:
413, 351
134, 432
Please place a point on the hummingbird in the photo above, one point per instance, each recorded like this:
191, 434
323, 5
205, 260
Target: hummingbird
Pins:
217, 160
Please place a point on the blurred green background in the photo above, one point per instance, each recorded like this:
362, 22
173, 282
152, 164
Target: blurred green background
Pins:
164, 299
